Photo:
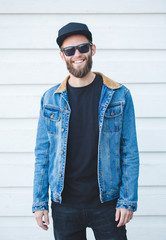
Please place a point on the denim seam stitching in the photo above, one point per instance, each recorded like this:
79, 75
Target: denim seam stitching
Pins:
125, 171
43, 175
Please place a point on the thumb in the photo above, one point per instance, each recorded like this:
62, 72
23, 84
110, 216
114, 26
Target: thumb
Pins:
117, 214
46, 217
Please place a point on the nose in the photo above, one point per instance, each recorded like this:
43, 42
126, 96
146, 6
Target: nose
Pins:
77, 53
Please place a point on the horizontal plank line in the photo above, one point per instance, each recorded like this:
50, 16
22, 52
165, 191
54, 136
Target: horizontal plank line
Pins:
33, 152
142, 152
29, 118
87, 13
139, 186
135, 216
25, 216
50, 84
15, 187
99, 49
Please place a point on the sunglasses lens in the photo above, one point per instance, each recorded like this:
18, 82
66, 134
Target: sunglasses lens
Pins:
84, 48
69, 51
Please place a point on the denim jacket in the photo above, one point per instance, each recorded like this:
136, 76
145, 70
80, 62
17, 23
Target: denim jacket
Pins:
118, 155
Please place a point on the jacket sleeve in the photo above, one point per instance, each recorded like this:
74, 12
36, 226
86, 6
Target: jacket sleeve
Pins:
40, 182
129, 157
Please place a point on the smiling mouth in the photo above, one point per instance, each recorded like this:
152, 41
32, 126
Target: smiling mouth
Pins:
79, 61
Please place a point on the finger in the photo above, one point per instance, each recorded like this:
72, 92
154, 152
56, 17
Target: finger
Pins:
40, 222
44, 226
121, 222
46, 217
117, 214
131, 214
127, 217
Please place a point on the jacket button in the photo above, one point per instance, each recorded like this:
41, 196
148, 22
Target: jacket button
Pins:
62, 129
100, 173
57, 199
61, 152
66, 107
60, 175
112, 113
52, 115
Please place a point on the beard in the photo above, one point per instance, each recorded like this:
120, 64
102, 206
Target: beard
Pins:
82, 72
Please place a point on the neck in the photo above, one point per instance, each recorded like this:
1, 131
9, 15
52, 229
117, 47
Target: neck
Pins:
81, 82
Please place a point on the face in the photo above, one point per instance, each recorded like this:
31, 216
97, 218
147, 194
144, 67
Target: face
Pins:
80, 64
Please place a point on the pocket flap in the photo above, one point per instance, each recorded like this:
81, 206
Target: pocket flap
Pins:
113, 110
51, 113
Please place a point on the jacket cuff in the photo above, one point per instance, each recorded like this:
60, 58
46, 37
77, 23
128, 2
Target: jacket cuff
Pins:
40, 206
127, 205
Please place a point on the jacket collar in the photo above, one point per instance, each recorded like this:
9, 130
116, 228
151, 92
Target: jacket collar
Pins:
107, 81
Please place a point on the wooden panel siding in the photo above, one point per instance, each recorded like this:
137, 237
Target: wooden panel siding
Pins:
130, 37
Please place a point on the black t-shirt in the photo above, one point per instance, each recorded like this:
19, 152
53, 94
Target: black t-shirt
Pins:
81, 183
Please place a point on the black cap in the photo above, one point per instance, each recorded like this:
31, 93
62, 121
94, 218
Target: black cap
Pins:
71, 29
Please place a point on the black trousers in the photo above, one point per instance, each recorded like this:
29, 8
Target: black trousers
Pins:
70, 223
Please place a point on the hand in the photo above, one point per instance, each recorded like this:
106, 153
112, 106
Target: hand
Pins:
39, 215
125, 216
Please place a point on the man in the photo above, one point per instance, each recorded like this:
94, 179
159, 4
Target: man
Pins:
86, 148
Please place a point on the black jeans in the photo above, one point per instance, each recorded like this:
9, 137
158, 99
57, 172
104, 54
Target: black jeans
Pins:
70, 223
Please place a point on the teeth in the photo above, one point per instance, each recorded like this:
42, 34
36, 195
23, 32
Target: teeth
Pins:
79, 61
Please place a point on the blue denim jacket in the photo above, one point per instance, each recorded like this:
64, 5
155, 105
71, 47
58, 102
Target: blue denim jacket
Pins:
118, 156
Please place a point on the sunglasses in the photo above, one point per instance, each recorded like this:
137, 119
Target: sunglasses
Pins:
82, 48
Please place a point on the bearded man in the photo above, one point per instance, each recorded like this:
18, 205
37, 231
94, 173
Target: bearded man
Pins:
86, 148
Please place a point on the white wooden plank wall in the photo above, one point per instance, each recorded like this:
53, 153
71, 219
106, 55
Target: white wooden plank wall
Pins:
131, 48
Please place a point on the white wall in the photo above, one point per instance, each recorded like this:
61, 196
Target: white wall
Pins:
131, 48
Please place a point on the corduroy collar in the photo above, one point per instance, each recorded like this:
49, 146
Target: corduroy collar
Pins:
107, 81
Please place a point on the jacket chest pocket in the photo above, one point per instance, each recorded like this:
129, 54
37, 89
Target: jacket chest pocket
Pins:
52, 117
113, 118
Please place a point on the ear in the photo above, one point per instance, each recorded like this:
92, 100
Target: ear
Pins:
62, 55
93, 49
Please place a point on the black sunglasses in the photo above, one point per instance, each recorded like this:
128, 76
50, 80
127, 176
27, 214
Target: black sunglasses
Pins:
82, 48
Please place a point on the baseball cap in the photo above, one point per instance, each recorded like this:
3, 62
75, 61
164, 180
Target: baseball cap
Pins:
71, 29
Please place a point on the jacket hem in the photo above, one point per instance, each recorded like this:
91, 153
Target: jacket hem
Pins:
40, 206
127, 205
